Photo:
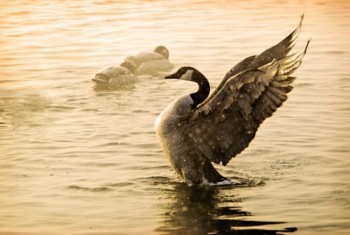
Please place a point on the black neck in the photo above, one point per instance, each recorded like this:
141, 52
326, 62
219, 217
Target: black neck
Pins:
203, 91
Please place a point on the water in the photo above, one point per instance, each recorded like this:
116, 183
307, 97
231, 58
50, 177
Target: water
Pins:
75, 160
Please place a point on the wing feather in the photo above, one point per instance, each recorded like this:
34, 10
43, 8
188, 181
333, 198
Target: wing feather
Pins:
232, 116
277, 52
280, 50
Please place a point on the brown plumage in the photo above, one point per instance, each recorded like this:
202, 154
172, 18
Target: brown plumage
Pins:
196, 130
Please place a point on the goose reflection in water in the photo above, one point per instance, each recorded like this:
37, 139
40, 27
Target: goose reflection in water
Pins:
201, 210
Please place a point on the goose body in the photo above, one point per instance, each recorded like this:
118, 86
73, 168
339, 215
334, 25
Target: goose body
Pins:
115, 78
151, 62
197, 129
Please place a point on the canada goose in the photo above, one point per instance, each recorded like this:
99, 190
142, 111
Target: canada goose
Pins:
196, 130
116, 77
151, 62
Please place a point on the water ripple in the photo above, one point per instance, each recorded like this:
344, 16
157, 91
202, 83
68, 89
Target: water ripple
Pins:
89, 189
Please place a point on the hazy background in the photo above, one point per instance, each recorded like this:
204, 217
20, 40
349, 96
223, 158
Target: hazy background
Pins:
75, 160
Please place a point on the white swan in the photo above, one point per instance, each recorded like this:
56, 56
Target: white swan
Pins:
116, 77
151, 62
196, 130
144, 63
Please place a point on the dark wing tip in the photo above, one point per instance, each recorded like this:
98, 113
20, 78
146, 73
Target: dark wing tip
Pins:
307, 45
296, 32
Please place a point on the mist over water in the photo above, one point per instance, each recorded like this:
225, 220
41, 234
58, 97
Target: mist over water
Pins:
79, 160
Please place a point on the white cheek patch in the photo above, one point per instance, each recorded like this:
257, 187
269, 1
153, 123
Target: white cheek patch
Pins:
187, 76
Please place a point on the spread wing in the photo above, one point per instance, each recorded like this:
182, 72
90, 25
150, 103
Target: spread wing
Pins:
228, 121
277, 52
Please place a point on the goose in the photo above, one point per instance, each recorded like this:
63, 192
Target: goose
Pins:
151, 62
197, 130
116, 77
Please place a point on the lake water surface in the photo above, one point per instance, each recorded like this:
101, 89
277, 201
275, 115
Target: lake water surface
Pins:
76, 160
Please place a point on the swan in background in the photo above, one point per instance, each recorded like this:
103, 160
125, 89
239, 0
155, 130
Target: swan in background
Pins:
197, 129
116, 77
144, 63
151, 63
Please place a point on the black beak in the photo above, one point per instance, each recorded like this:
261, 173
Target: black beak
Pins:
173, 76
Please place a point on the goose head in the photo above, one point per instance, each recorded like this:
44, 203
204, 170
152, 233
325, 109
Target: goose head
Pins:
191, 74
163, 51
